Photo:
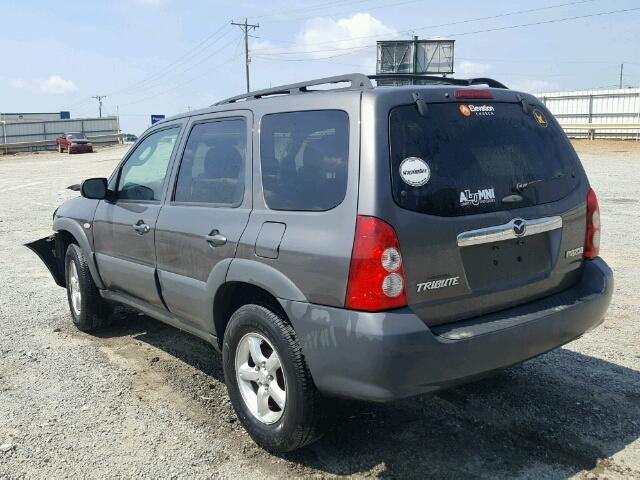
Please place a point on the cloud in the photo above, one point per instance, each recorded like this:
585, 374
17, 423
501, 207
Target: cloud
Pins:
535, 86
323, 38
472, 69
343, 34
54, 85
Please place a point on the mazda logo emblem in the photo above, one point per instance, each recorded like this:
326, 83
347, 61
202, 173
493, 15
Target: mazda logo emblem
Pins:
519, 227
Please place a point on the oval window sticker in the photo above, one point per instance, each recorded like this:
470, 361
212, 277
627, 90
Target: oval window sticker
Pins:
414, 171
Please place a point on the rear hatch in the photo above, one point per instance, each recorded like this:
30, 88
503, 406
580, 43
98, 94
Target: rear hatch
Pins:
491, 206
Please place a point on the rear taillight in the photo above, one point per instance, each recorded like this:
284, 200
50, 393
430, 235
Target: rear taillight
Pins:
376, 277
473, 93
592, 236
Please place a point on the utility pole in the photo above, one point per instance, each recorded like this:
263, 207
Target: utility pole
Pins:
415, 54
245, 27
621, 70
118, 125
99, 98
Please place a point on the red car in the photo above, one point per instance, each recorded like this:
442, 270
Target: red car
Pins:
74, 142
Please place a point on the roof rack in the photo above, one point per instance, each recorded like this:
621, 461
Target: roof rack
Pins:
357, 81
465, 82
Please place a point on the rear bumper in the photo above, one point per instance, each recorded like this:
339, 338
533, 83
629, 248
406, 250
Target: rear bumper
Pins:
391, 355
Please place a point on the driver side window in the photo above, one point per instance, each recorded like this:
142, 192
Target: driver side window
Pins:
143, 174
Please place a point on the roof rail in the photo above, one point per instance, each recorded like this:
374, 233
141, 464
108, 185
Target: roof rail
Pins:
358, 81
465, 82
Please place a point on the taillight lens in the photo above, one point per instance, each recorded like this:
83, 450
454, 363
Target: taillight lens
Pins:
592, 236
376, 277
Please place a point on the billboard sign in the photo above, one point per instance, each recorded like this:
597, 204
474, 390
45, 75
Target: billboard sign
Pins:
156, 118
415, 56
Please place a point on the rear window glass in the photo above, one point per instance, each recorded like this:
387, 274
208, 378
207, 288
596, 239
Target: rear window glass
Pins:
463, 159
304, 159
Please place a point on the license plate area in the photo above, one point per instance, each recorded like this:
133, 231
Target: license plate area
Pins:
506, 263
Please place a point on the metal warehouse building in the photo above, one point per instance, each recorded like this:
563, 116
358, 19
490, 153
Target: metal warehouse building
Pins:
597, 113
38, 131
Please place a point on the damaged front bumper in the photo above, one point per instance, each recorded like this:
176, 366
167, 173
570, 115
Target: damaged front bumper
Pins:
49, 251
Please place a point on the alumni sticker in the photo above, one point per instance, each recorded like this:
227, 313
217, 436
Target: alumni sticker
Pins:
414, 171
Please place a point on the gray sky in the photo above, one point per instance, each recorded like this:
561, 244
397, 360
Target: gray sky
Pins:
165, 56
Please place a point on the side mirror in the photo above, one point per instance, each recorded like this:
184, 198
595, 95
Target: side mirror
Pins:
94, 188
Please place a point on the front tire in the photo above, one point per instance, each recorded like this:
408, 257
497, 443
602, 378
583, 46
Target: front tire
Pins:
88, 309
268, 381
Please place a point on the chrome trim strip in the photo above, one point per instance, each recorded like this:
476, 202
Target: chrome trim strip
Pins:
498, 233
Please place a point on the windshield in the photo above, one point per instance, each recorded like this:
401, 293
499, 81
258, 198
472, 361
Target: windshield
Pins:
464, 159
76, 136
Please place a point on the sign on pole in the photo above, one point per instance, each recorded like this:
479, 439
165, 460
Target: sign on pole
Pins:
423, 57
156, 118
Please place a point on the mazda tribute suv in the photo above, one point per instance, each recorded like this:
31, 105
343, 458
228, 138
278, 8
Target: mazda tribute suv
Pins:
362, 241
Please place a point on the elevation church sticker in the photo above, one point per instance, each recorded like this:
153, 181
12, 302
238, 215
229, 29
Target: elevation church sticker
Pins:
414, 171
477, 110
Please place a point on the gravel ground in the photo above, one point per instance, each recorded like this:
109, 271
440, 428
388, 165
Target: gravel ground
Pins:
143, 399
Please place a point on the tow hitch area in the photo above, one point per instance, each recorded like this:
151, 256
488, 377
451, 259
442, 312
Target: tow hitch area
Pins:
46, 248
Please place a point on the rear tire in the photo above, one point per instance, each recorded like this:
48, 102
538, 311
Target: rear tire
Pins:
88, 309
248, 381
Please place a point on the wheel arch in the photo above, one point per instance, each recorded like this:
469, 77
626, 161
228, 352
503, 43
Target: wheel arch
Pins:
70, 231
234, 294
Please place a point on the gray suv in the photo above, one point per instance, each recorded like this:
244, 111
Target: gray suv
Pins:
362, 241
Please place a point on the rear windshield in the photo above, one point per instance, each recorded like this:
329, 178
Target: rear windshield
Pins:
464, 159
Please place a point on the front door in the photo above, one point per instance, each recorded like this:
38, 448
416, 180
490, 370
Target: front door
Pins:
205, 214
124, 228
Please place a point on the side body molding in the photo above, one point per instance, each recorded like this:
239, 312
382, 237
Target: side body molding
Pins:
75, 229
266, 277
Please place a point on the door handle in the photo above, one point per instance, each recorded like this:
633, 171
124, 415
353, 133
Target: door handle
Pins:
215, 238
141, 228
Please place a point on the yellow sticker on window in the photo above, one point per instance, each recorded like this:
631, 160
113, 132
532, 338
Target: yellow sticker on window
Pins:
540, 118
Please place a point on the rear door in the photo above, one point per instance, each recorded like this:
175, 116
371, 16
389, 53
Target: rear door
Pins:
205, 214
124, 229
488, 206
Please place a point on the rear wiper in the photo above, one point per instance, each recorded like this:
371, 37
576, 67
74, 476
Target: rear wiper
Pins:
521, 187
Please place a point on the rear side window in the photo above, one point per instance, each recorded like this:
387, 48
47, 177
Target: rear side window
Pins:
464, 159
212, 167
304, 159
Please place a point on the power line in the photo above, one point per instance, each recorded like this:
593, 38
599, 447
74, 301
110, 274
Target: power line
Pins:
459, 34
185, 58
192, 52
245, 28
169, 78
202, 74
449, 24
546, 22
